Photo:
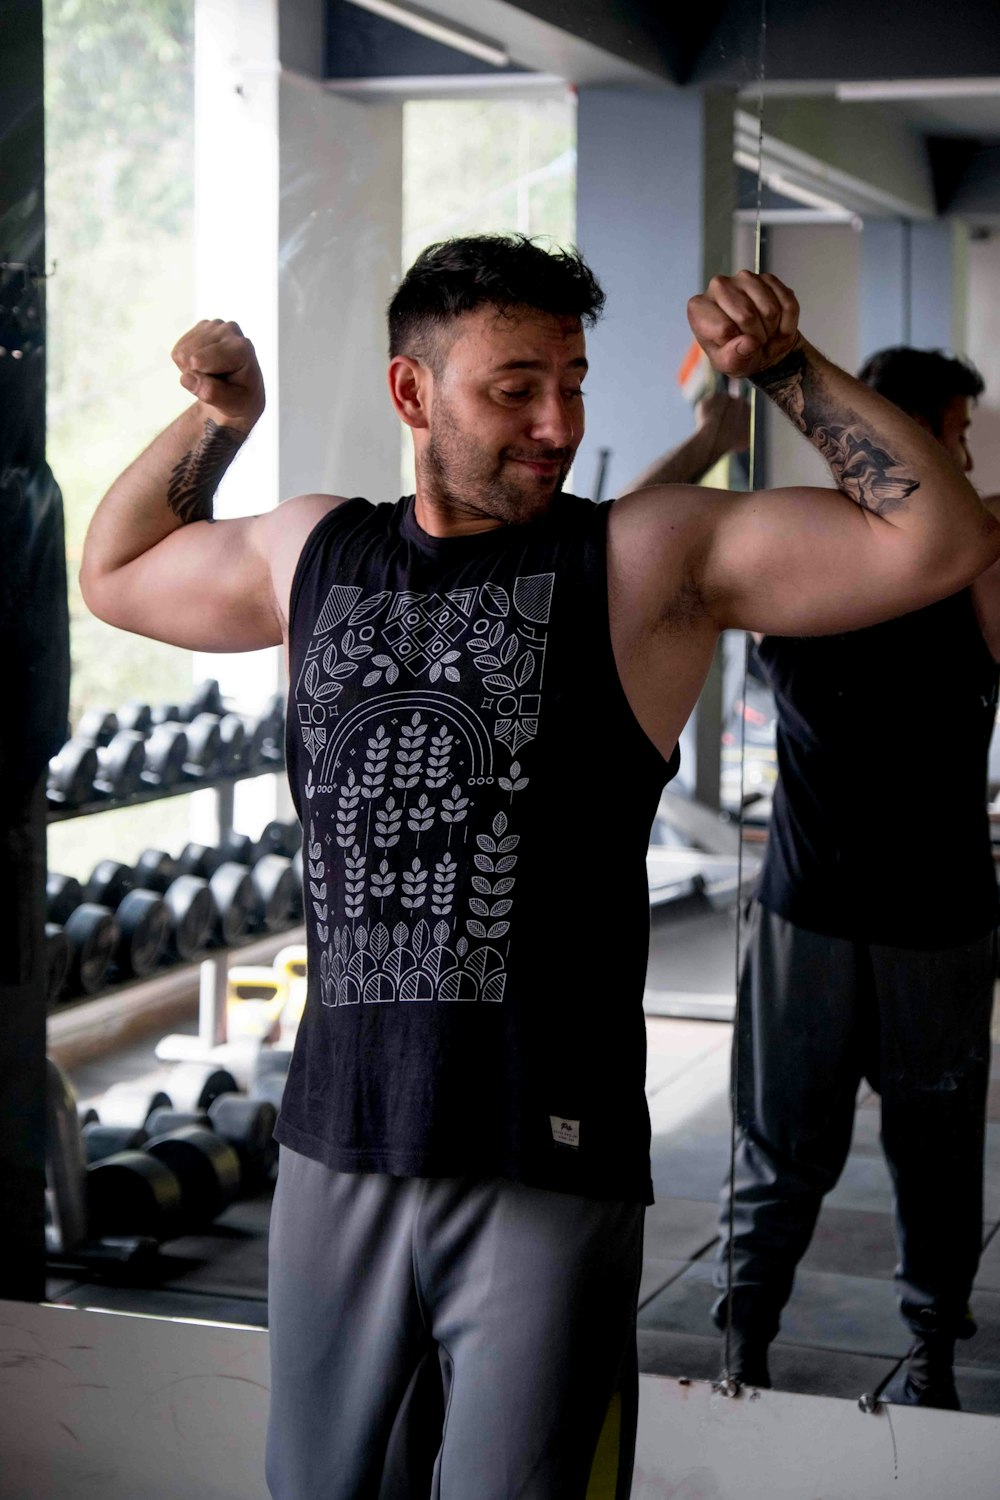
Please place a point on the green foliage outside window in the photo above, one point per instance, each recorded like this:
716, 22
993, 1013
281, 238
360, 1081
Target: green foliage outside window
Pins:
119, 184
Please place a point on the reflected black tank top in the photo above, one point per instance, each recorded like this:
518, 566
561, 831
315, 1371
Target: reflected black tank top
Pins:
879, 831
476, 798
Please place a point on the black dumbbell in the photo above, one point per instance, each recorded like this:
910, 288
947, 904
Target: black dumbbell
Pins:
234, 901
235, 748
248, 1125
204, 751
278, 838
276, 888
72, 773
266, 732
101, 1141
120, 763
145, 921
239, 910
133, 1193
110, 882
166, 713
142, 916
206, 699
192, 916
93, 935
206, 1167
98, 726
238, 847
199, 859
63, 894
167, 755
135, 715
155, 870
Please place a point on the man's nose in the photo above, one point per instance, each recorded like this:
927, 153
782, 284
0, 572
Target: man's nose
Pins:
555, 423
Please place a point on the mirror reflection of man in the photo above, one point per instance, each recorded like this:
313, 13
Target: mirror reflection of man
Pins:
871, 943
464, 1137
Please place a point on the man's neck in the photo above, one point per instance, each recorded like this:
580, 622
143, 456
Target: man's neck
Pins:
440, 519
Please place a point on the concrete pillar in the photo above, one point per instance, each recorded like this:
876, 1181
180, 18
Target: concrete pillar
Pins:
654, 205
655, 200
914, 280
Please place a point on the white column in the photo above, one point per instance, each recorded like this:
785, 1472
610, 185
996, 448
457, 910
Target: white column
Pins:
298, 231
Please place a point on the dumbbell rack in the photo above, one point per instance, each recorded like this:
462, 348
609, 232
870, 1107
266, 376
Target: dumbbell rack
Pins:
213, 971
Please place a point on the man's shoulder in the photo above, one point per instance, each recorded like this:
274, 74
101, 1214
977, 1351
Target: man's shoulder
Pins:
659, 526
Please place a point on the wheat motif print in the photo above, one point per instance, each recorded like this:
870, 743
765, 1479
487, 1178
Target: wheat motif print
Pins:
418, 712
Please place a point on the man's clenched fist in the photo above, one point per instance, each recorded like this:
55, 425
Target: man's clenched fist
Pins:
219, 368
745, 323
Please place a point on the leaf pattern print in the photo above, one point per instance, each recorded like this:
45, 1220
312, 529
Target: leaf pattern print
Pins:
414, 886
421, 816
438, 758
410, 753
347, 811
374, 773
443, 888
408, 777
388, 821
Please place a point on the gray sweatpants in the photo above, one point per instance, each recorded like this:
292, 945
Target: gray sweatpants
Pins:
446, 1338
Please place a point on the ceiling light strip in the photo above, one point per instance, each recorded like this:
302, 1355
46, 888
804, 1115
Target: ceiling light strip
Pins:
438, 30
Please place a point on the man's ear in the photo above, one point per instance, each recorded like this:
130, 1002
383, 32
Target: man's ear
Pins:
410, 384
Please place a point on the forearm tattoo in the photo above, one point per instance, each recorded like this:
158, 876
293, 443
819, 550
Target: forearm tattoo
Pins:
195, 479
864, 471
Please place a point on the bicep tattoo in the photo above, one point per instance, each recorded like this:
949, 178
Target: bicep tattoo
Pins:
866, 472
196, 478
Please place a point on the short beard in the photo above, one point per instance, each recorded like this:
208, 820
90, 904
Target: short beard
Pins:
467, 489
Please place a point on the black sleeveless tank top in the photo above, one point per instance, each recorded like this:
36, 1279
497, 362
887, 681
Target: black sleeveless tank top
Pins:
879, 831
476, 798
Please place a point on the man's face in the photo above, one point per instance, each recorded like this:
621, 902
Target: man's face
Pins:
506, 414
953, 429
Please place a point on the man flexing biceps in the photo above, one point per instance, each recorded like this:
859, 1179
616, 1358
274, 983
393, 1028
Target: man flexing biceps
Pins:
465, 1143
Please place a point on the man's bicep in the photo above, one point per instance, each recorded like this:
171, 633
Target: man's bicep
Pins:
805, 562
205, 587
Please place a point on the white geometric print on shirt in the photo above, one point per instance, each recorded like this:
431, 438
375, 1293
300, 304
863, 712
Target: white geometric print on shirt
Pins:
404, 702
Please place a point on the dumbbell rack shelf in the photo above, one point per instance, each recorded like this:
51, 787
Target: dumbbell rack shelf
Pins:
213, 969
160, 794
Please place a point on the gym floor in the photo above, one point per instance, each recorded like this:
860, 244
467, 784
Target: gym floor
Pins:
841, 1335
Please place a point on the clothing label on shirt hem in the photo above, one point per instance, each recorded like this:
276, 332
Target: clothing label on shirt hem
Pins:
565, 1132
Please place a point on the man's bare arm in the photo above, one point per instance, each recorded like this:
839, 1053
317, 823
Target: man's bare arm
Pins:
154, 561
723, 426
903, 528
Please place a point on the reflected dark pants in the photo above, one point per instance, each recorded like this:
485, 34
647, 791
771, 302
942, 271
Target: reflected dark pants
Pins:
816, 1015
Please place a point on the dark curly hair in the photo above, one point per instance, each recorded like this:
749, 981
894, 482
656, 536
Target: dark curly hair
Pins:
921, 382
504, 271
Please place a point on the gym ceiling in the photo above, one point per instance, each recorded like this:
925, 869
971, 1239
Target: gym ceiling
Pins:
949, 54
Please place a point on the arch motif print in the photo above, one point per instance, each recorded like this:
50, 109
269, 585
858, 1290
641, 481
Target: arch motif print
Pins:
418, 713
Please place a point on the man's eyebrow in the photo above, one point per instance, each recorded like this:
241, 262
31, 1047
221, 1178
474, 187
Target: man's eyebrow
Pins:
536, 364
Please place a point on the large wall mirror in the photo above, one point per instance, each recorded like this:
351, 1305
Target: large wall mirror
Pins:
866, 179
